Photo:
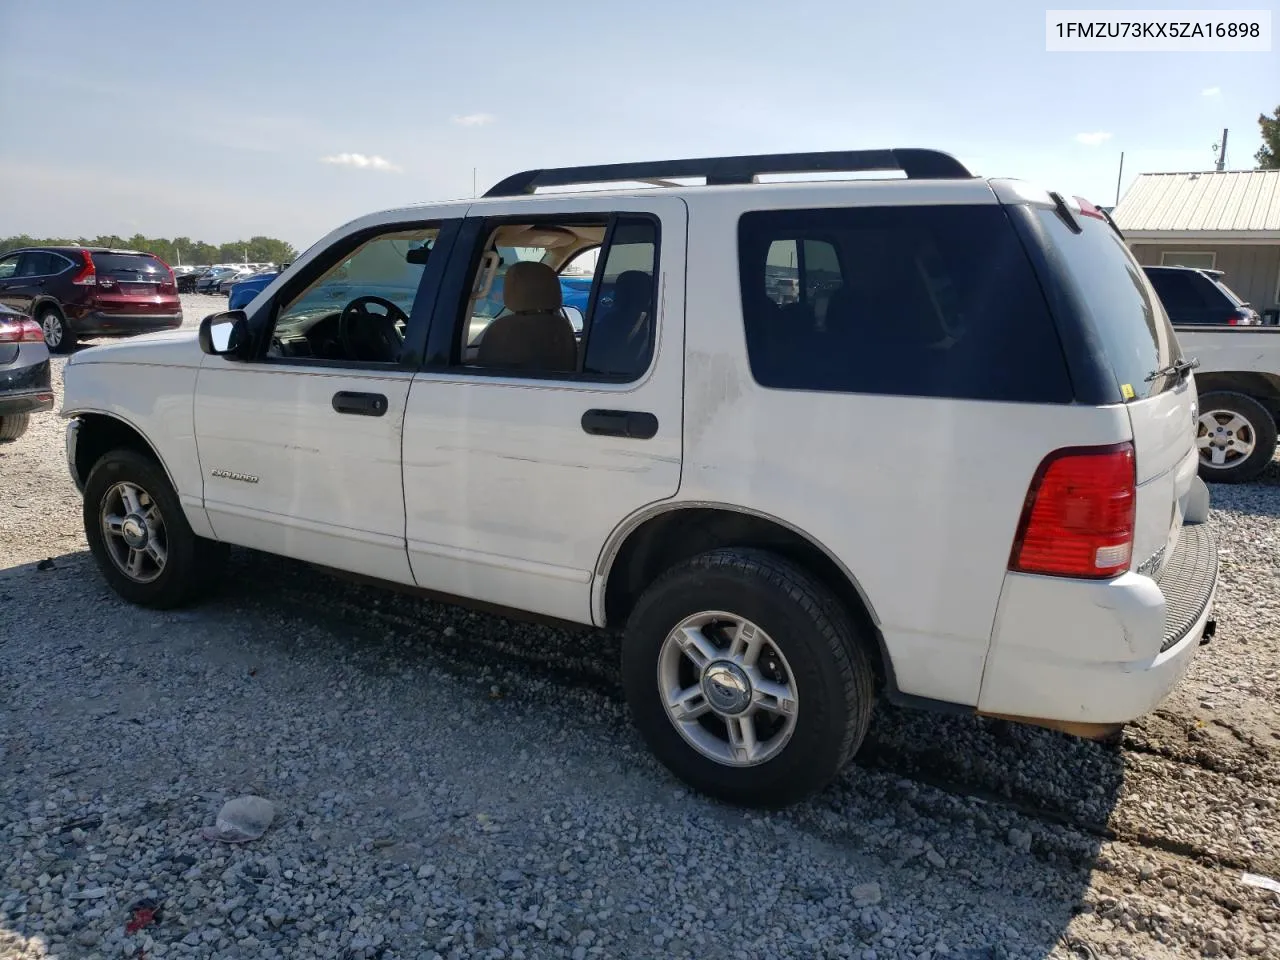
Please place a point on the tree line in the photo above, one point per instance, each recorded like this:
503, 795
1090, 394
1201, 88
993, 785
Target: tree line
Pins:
175, 251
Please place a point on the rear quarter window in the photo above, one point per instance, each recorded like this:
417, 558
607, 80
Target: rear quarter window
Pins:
1123, 309
915, 301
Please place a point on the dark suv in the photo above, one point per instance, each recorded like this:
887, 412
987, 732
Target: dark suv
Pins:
76, 292
1192, 295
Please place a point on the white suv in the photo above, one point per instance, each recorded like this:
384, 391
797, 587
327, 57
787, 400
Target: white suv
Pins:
928, 437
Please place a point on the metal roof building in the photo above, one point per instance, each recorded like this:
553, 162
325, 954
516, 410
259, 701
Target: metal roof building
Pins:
1225, 220
1225, 205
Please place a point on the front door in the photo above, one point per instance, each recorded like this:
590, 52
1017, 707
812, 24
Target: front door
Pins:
535, 430
300, 447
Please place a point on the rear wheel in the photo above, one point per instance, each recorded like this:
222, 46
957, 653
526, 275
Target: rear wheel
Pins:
745, 677
13, 426
1236, 437
140, 537
57, 335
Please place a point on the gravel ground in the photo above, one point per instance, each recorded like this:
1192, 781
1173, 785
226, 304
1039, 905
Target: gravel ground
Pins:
457, 785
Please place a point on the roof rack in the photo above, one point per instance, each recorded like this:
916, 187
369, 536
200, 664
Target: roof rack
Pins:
917, 164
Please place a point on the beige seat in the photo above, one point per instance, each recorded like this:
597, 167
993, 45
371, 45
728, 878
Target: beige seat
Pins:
535, 335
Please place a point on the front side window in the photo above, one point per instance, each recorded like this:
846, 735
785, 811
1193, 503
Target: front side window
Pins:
356, 310
9, 265
913, 301
573, 298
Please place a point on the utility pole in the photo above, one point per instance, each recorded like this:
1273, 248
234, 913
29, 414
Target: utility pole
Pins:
473, 182
1222, 152
1119, 177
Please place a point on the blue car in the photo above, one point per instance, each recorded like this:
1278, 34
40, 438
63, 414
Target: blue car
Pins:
248, 288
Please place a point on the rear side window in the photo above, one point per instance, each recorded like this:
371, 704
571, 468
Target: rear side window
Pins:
129, 266
915, 301
1125, 312
1178, 290
41, 264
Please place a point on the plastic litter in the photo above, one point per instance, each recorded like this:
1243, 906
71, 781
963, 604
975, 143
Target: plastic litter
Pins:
1257, 880
240, 820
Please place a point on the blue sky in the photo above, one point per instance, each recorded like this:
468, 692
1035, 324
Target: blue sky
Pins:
220, 121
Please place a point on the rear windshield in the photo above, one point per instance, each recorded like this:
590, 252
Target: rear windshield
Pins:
926, 301
1125, 312
129, 266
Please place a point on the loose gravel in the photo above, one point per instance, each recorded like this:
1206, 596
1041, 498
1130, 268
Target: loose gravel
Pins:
450, 784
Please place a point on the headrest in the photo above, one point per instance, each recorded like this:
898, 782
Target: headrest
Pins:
634, 288
531, 287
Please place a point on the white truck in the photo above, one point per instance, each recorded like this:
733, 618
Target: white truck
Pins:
1239, 384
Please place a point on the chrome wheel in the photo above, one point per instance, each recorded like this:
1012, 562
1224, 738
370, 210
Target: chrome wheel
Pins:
134, 532
1224, 438
51, 325
727, 688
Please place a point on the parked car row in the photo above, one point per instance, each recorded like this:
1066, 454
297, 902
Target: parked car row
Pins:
217, 278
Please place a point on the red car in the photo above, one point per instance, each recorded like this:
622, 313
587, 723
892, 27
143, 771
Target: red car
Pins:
78, 292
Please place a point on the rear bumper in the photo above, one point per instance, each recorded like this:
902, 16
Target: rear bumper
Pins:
97, 323
1084, 653
26, 402
25, 385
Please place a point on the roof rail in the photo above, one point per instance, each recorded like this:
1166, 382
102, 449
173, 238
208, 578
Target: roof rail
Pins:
917, 164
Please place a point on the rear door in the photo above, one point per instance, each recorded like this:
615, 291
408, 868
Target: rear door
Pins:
514, 478
1138, 341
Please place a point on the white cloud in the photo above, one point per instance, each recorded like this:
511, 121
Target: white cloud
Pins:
475, 119
1211, 92
1095, 139
362, 162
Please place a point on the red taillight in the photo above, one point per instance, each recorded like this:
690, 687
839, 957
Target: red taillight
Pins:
20, 330
86, 276
1079, 514
1233, 320
166, 286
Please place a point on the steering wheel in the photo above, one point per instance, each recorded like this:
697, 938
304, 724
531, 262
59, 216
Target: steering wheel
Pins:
366, 335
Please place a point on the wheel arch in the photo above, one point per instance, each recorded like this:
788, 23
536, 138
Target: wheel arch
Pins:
43, 301
657, 538
1262, 387
98, 432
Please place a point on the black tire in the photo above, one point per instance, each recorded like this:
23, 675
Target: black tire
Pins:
13, 426
833, 677
193, 565
51, 320
1262, 425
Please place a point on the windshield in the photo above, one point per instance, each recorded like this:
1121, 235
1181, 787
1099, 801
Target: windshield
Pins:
1127, 315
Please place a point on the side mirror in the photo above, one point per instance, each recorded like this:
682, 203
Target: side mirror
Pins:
575, 318
225, 334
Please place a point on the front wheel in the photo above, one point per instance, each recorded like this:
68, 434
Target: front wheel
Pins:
1236, 437
140, 537
746, 678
